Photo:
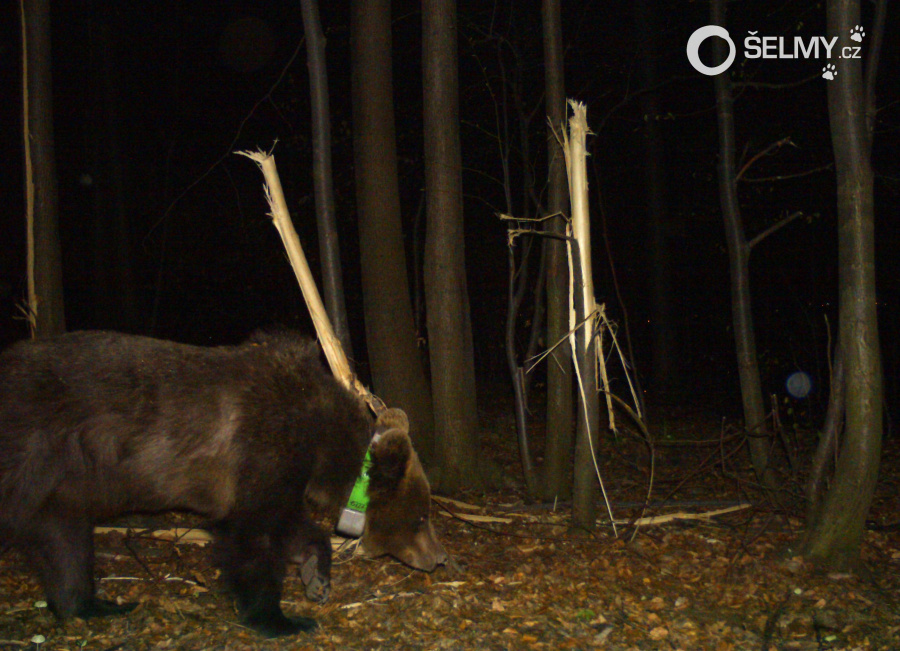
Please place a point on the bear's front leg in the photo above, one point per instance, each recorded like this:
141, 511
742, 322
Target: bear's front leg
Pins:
312, 551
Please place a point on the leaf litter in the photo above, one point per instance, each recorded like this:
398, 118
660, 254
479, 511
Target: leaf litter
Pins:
520, 579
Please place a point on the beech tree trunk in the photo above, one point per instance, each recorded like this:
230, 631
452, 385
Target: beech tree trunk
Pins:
397, 373
834, 536
446, 294
557, 475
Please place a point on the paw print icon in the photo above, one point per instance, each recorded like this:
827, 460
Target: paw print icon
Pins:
857, 34
829, 72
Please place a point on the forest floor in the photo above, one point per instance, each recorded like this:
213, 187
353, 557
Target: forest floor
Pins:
523, 580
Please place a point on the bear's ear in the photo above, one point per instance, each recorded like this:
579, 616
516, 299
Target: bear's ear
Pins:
391, 419
390, 450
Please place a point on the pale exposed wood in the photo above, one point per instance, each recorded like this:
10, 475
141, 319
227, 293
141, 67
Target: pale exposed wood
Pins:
671, 517
30, 310
576, 153
183, 535
456, 503
281, 217
581, 281
178, 534
473, 517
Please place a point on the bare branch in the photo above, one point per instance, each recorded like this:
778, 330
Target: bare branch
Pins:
761, 84
784, 177
774, 227
764, 152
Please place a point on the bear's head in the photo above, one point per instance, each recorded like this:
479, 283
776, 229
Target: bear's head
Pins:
398, 518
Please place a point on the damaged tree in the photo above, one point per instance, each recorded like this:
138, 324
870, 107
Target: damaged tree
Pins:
584, 342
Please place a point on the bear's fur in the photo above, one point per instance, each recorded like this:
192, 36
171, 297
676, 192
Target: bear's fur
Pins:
98, 424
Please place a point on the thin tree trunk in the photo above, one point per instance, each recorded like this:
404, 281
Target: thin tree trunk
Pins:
538, 329
662, 325
519, 277
446, 294
113, 292
47, 296
739, 259
329, 244
514, 297
557, 479
397, 373
834, 538
826, 451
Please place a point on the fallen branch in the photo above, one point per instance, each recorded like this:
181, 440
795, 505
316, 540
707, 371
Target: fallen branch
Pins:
183, 535
471, 517
669, 517
460, 505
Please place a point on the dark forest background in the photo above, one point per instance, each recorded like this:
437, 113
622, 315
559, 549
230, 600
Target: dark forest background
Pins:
151, 98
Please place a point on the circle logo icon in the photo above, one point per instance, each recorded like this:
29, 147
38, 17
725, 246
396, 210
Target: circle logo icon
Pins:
693, 49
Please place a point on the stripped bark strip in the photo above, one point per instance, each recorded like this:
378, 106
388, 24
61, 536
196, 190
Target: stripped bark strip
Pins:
337, 360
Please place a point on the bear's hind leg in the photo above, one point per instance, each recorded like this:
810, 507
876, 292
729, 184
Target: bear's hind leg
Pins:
254, 565
63, 550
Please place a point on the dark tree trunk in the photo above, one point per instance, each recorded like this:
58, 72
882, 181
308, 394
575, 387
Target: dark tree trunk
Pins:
397, 372
47, 266
662, 326
515, 295
834, 537
112, 278
446, 294
739, 259
557, 479
329, 244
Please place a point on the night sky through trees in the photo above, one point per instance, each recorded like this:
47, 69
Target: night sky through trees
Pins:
161, 92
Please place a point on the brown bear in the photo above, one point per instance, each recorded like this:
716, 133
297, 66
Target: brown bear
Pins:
98, 424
